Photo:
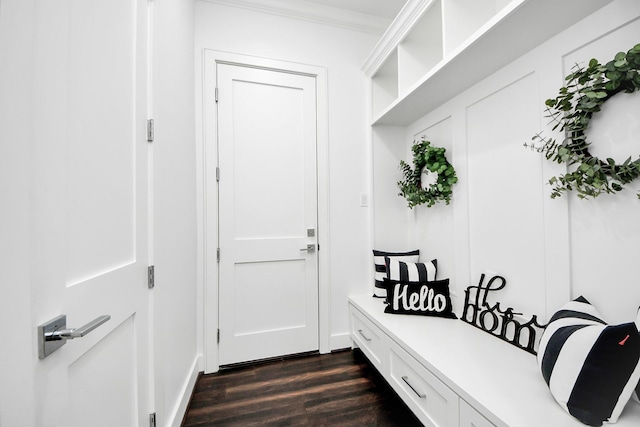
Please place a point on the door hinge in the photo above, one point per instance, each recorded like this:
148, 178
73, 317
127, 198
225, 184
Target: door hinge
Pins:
152, 420
218, 335
150, 130
218, 254
217, 174
216, 91
151, 277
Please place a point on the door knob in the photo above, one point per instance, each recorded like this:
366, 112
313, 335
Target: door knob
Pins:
54, 334
311, 247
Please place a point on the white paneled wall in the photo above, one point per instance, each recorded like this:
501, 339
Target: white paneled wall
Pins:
436, 241
501, 219
605, 233
506, 226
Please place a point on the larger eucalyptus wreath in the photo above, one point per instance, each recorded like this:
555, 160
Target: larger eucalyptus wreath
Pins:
587, 89
427, 159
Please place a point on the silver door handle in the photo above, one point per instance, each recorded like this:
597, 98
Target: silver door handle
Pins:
54, 334
311, 247
69, 334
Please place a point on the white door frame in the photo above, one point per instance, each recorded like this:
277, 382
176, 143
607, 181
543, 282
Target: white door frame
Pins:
209, 207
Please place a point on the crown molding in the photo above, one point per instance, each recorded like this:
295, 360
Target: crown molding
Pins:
313, 12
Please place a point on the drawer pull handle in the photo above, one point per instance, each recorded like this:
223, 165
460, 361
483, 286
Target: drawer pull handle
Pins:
406, 380
366, 338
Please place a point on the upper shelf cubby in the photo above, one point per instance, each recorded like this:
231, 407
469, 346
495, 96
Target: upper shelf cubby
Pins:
462, 18
435, 49
421, 49
384, 84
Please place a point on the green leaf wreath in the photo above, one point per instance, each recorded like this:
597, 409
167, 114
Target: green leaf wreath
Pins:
427, 159
586, 90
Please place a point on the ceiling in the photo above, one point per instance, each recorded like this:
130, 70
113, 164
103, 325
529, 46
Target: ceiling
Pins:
366, 15
387, 9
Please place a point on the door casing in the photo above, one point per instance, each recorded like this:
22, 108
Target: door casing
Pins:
209, 194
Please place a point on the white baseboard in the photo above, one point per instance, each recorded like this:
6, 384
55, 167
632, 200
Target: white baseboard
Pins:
340, 341
175, 417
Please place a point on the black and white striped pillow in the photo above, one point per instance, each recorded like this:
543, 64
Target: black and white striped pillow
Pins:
379, 289
591, 368
411, 271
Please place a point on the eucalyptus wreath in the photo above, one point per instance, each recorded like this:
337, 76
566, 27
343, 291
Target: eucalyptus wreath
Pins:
586, 90
430, 160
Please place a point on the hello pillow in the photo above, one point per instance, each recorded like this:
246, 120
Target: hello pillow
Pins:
423, 298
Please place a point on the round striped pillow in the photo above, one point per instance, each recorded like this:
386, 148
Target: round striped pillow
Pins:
591, 368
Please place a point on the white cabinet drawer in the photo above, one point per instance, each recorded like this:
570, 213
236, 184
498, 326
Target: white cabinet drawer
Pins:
369, 338
469, 417
435, 404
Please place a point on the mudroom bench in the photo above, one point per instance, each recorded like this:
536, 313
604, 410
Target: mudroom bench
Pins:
452, 374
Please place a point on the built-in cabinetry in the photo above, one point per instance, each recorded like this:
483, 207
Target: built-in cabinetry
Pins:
429, 398
435, 49
448, 372
451, 374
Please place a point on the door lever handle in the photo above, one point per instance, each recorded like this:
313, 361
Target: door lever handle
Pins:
311, 247
69, 334
54, 334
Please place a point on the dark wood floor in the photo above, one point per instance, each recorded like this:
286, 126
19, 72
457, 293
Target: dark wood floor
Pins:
338, 389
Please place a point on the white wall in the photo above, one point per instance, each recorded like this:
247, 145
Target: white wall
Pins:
174, 209
341, 52
16, 109
501, 219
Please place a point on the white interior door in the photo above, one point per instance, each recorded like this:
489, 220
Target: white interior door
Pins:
89, 213
268, 292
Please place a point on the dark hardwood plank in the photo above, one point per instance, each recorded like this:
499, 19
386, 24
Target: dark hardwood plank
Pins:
338, 389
